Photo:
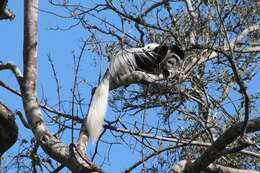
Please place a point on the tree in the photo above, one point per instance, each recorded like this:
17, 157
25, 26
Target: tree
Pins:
204, 117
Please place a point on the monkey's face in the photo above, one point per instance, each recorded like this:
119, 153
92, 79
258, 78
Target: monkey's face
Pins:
171, 63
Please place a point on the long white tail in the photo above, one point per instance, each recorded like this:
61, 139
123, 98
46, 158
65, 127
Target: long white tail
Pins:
97, 109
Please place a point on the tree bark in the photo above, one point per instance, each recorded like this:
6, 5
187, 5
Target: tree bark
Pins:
217, 149
8, 129
212, 168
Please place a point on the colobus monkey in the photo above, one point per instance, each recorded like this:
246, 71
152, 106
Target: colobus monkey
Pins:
151, 59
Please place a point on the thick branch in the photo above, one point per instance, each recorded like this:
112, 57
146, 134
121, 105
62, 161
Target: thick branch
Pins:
8, 129
244, 33
214, 151
215, 168
14, 68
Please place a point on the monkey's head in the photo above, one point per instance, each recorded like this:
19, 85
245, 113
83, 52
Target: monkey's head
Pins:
172, 60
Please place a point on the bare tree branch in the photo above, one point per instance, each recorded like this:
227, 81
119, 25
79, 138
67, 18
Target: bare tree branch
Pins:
193, 17
14, 68
214, 151
216, 168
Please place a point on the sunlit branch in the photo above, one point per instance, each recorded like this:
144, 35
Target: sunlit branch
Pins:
14, 68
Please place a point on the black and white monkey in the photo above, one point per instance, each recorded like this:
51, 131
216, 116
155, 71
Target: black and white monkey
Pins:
152, 59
